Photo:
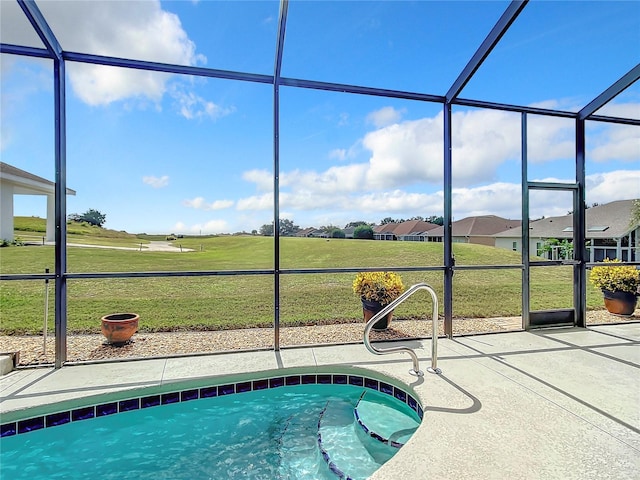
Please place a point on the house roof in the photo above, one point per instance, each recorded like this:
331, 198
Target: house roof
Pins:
25, 183
483, 225
413, 226
305, 231
611, 220
386, 228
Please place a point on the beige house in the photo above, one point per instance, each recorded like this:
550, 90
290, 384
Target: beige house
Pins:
610, 233
414, 230
479, 230
384, 232
14, 181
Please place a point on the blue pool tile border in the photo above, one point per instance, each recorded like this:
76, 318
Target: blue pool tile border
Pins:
148, 401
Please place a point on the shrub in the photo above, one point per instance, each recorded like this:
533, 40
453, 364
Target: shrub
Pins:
619, 278
382, 287
364, 232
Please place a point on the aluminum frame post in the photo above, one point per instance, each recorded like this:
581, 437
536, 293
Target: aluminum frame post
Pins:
40, 25
282, 22
60, 214
526, 254
449, 261
579, 231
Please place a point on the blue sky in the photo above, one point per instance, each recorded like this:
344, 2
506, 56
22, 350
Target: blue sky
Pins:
161, 153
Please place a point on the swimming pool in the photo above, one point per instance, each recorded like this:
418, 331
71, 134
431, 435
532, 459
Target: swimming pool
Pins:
298, 426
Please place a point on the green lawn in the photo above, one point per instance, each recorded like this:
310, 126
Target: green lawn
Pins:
224, 302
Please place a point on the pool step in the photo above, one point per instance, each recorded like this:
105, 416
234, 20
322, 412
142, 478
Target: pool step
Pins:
297, 434
339, 446
379, 420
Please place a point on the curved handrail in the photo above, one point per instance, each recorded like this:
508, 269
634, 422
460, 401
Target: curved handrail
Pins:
434, 339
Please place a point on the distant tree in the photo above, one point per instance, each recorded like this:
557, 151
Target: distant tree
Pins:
266, 230
337, 233
287, 228
558, 249
254, 232
635, 213
386, 220
91, 216
417, 217
435, 219
364, 232
328, 228
356, 224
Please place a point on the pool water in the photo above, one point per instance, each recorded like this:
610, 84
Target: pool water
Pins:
268, 434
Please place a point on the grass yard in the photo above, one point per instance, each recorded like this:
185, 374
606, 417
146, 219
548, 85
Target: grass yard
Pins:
239, 301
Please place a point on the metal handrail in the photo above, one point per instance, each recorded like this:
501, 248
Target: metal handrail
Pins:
434, 339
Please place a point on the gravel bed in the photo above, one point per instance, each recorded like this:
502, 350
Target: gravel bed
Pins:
146, 345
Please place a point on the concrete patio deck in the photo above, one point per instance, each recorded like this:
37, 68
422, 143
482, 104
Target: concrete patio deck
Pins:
547, 404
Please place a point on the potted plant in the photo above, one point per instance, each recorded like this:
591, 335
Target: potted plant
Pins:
376, 290
619, 285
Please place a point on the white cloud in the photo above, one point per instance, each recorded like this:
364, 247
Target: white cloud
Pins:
385, 116
199, 203
262, 178
338, 153
139, 30
256, 202
550, 138
482, 141
193, 106
156, 182
500, 197
619, 142
179, 227
348, 178
100, 85
610, 186
622, 110
411, 153
207, 228
403, 153
396, 201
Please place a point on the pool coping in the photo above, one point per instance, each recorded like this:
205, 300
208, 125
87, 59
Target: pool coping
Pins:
21, 421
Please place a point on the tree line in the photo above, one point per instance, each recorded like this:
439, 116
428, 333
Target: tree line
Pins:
362, 229
287, 228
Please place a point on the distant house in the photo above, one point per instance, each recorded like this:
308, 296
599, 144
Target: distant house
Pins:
413, 230
306, 232
14, 181
384, 232
312, 232
609, 234
348, 232
479, 230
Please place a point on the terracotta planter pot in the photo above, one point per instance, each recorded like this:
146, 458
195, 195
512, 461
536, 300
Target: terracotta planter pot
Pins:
119, 327
369, 309
620, 303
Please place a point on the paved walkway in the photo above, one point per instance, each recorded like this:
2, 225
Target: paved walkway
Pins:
152, 246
